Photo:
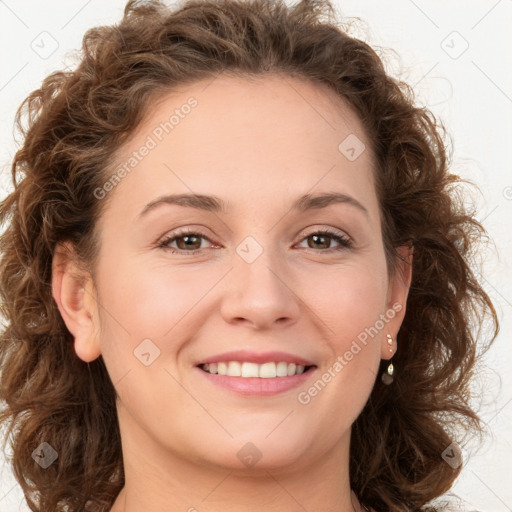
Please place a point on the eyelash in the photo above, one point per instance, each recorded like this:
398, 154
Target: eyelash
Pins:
345, 242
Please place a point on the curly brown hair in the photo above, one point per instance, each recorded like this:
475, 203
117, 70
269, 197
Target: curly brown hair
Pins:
77, 120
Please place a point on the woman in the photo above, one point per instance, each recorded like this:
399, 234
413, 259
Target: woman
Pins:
235, 274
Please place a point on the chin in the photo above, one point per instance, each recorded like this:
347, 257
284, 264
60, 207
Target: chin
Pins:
258, 453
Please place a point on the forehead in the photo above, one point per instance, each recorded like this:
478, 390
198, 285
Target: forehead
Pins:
265, 137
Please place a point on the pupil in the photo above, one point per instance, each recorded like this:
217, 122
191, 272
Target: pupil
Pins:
186, 239
316, 237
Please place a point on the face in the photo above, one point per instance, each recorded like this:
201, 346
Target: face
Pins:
257, 280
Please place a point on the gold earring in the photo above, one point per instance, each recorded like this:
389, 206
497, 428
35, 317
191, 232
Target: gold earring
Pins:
387, 378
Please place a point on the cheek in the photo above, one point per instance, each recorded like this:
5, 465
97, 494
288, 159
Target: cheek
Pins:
351, 303
148, 300
146, 313
348, 299
156, 302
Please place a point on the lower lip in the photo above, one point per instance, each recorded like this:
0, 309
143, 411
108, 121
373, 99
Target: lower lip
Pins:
256, 385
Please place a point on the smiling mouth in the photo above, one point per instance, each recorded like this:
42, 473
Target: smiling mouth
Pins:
268, 370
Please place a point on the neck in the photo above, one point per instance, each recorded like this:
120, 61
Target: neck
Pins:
158, 480
257, 498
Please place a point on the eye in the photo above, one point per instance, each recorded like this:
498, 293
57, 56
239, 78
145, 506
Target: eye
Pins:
322, 239
185, 240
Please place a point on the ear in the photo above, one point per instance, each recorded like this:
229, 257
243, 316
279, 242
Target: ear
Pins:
75, 296
398, 291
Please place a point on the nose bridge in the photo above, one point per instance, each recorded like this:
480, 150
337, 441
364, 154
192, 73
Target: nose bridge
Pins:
258, 290
259, 262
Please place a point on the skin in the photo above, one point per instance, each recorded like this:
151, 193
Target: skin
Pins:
258, 144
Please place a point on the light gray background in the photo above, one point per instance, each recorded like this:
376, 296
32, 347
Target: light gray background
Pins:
470, 89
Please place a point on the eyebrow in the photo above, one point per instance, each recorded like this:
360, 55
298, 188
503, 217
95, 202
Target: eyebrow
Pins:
215, 204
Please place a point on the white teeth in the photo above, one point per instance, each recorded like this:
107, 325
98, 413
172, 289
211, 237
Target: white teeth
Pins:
267, 370
282, 369
234, 369
248, 370
245, 369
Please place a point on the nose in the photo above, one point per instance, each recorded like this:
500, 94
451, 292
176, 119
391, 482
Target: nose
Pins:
259, 290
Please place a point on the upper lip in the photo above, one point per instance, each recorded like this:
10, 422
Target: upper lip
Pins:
256, 357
